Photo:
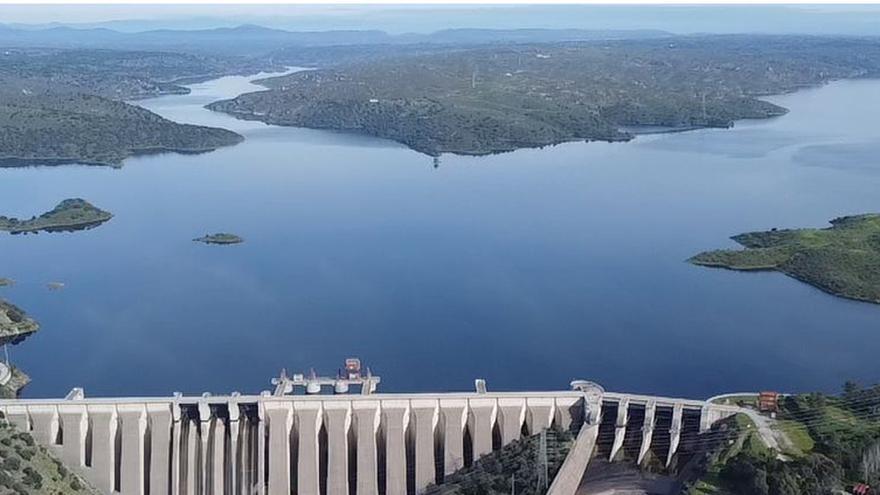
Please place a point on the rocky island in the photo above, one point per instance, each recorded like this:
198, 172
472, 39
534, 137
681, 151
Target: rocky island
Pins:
220, 238
70, 215
843, 259
6, 282
491, 99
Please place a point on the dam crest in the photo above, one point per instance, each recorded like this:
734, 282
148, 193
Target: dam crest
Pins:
368, 444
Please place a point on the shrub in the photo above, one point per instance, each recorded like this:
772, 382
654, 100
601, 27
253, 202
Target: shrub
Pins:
11, 464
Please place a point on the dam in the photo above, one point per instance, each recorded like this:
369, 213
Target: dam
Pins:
369, 444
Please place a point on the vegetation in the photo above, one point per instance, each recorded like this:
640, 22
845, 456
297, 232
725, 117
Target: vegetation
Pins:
29, 469
63, 106
15, 326
17, 381
843, 259
69, 215
57, 128
14, 323
518, 461
220, 238
797, 434
500, 98
841, 447
115, 74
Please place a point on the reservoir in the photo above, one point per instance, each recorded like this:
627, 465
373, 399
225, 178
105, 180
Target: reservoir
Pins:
528, 269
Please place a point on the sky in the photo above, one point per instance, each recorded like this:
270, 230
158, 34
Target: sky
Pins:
683, 19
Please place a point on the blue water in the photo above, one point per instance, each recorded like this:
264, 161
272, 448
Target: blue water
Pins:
528, 269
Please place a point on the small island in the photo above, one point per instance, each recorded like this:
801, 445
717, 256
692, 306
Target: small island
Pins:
14, 323
220, 238
843, 260
70, 215
6, 282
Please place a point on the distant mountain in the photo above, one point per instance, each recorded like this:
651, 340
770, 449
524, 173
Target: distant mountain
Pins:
253, 40
532, 35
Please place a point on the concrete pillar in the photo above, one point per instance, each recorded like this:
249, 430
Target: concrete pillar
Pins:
205, 417
706, 419
366, 419
133, 424
674, 432
44, 419
279, 420
539, 414
104, 423
710, 414
192, 476
218, 457
647, 430
569, 412
75, 424
245, 475
337, 421
620, 427
593, 410
234, 459
395, 416
160, 424
259, 476
18, 416
454, 418
424, 416
308, 422
177, 449
511, 416
481, 420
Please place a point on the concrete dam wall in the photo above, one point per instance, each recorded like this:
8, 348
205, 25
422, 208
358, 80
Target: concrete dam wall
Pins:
388, 444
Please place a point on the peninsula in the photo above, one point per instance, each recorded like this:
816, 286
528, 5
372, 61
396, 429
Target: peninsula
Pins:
220, 238
843, 259
69, 215
491, 98
55, 129
68, 106
14, 322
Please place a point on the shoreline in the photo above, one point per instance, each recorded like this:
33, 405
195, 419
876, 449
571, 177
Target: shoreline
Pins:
21, 162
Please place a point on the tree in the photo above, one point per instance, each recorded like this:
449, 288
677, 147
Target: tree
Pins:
850, 389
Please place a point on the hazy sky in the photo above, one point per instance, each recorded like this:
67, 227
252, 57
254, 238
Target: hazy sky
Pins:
816, 19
